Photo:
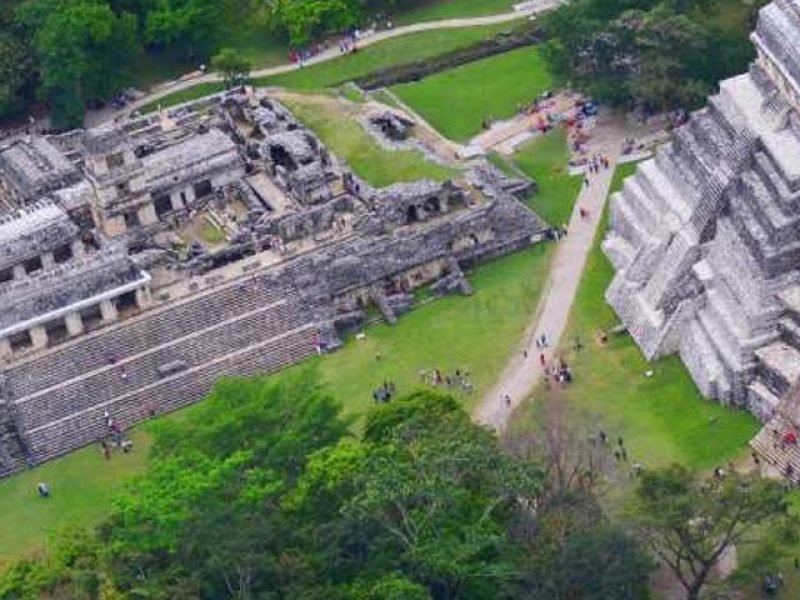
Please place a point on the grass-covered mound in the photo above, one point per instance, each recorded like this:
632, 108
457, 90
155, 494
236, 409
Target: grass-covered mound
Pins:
336, 122
457, 102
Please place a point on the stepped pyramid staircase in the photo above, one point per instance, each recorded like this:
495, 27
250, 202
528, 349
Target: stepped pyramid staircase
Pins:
778, 383
158, 361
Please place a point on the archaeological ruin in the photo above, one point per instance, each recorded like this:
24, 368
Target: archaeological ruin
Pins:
705, 239
142, 260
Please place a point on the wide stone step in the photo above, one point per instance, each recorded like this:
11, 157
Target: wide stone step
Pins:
149, 329
761, 401
664, 189
770, 448
112, 380
618, 251
174, 392
790, 331
779, 366
626, 224
700, 357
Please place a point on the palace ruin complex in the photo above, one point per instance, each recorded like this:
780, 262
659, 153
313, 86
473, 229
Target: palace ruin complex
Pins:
705, 238
142, 260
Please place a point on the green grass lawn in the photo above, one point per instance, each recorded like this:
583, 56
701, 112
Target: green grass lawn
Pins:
335, 122
399, 50
476, 333
82, 484
457, 101
662, 419
546, 159
433, 10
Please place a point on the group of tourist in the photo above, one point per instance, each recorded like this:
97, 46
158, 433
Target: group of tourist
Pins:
458, 379
385, 393
115, 437
594, 165
347, 45
785, 441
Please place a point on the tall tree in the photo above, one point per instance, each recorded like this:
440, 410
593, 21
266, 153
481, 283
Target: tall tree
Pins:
83, 50
690, 523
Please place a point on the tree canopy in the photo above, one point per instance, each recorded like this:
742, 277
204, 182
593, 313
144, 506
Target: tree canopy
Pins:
652, 54
262, 492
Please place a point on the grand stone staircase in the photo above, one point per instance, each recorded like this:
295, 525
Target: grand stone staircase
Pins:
158, 361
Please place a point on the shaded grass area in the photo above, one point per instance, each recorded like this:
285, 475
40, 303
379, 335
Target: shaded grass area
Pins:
457, 101
476, 333
395, 51
252, 42
546, 159
82, 484
432, 10
336, 123
663, 419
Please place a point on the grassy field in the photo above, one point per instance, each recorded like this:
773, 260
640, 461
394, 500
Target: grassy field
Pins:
408, 48
545, 159
476, 333
663, 419
335, 121
433, 10
82, 484
456, 102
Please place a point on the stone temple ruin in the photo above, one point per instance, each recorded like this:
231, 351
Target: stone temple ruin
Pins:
142, 260
705, 237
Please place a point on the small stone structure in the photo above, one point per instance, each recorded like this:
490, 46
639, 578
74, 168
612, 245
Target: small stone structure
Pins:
706, 236
393, 126
109, 308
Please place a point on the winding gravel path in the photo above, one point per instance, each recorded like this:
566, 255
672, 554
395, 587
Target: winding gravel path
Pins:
525, 370
94, 118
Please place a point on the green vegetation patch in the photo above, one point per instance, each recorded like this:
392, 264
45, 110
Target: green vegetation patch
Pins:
336, 123
82, 484
546, 159
663, 418
457, 102
435, 10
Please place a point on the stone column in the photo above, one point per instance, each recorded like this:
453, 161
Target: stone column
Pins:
143, 298
147, 214
175, 200
189, 195
444, 205
109, 310
74, 323
78, 249
114, 226
19, 272
38, 337
48, 260
5, 348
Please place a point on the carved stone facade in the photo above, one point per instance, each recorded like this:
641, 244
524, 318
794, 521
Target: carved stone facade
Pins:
113, 303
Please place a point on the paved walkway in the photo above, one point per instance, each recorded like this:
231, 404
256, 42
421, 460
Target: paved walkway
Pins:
524, 372
94, 118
